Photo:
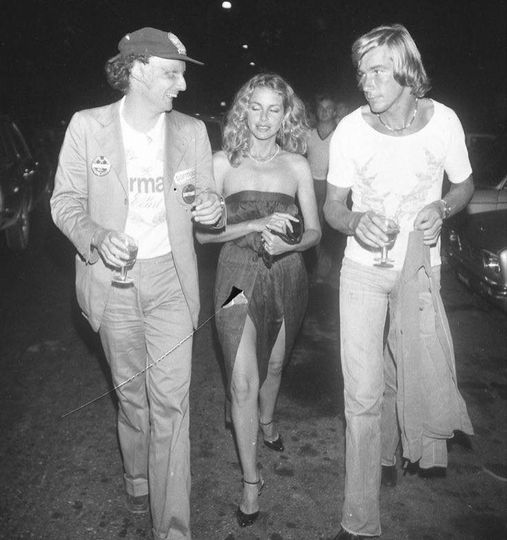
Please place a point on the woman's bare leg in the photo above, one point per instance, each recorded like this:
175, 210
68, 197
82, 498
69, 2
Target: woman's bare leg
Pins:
244, 394
269, 391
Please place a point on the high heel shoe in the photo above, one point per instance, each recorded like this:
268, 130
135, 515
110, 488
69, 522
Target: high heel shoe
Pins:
245, 520
276, 444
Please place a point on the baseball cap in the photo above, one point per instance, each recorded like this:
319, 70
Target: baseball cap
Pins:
153, 42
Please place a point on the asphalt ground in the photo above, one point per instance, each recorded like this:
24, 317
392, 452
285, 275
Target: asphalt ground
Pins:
62, 477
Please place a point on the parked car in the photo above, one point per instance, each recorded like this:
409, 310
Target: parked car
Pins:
25, 181
476, 247
489, 162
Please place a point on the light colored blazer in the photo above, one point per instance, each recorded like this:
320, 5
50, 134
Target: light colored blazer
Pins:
91, 192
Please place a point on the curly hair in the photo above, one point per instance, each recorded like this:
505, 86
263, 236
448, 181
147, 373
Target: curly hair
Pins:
292, 133
119, 67
408, 67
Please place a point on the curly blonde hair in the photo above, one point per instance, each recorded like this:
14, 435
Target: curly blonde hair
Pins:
292, 134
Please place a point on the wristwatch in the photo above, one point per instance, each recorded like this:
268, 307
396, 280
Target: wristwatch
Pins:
446, 208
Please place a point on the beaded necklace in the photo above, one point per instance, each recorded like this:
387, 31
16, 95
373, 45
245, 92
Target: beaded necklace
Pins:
406, 126
265, 159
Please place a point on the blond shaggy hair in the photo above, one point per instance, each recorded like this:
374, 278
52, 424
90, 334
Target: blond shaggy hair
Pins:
408, 67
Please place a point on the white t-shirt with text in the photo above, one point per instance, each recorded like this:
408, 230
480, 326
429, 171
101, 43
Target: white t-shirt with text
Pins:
146, 218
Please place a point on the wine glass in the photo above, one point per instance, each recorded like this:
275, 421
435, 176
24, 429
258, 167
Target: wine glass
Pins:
190, 193
391, 229
191, 197
120, 278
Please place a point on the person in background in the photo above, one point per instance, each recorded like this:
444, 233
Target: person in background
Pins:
272, 218
318, 146
391, 154
125, 174
328, 113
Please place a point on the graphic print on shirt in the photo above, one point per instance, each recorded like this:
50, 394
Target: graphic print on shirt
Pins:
404, 172
146, 219
146, 189
399, 195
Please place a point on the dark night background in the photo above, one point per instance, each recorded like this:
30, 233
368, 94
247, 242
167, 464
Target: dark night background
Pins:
62, 477
53, 51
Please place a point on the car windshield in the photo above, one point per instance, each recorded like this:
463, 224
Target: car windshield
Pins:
489, 160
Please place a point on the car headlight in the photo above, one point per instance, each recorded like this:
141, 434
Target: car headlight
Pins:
491, 265
490, 261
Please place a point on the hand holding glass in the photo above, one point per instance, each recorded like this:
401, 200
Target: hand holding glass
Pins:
191, 196
206, 217
391, 229
120, 277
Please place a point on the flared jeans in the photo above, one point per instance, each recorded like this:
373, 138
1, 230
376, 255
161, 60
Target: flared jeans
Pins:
369, 375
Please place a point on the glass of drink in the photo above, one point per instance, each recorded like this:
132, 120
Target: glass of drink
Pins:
391, 229
190, 195
120, 278
193, 195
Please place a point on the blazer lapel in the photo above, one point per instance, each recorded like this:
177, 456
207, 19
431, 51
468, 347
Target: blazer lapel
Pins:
175, 146
110, 141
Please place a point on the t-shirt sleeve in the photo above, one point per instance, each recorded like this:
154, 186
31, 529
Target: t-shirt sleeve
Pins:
457, 163
341, 166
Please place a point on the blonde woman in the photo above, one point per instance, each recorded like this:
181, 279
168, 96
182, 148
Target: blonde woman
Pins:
272, 218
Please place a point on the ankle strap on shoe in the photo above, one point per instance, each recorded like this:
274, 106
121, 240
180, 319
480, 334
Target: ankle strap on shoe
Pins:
251, 483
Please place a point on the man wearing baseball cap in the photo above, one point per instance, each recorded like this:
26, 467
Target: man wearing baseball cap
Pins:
138, 172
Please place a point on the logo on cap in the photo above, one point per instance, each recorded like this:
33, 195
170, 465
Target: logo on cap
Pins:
101, 166
177, 43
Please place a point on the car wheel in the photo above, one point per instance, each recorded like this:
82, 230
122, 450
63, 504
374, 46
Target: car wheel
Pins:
17, 235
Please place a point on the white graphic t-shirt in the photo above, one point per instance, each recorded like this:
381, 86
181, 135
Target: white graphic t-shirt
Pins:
146, 219
396, 176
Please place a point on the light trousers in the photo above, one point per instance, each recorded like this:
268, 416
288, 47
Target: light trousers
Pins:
140, 325
372, 433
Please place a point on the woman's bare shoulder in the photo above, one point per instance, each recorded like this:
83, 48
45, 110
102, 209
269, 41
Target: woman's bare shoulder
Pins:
296, 162
221, 163
292, 157
220, 158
